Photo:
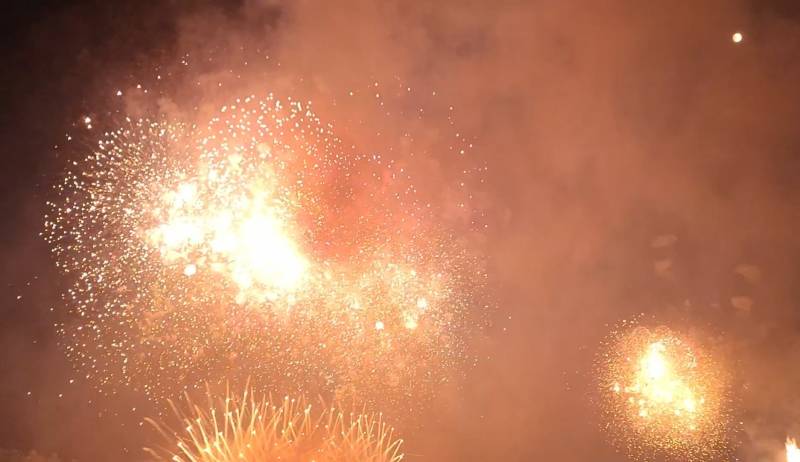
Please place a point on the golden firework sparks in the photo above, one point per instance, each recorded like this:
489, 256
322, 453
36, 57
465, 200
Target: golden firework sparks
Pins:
249, 428
792, 451
249, 244
230, 223
661, 392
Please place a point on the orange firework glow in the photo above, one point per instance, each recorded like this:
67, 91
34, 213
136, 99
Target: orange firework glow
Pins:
250, 244
249, 429
661, 392
792, 451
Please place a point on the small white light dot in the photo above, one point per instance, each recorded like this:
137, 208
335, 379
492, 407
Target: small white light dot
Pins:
379, 325
737, 37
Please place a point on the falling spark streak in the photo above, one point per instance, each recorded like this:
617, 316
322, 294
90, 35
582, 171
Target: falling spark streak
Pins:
250, 244
250, 429
792, 451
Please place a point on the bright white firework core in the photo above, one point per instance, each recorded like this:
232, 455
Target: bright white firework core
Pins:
236, 230
792, 451
660, 385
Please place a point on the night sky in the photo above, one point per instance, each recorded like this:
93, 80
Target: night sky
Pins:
640, 163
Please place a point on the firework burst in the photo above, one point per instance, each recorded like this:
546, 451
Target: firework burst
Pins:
661, 392
252, 244
248, 428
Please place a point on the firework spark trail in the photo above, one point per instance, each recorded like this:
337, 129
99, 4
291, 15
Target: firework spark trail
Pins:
662, 393
253, 244
250, 428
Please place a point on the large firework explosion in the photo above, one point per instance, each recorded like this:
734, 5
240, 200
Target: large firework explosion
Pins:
253, 428
662, 393
252, 244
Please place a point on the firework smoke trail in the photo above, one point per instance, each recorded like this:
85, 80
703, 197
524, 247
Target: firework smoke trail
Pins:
250, 428
250, 244
662, 393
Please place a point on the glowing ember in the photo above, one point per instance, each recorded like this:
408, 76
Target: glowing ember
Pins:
250, 429
662, 393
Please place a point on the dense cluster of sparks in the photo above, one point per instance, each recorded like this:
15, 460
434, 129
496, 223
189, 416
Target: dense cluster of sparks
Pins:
661, 393
249, 428
250, 245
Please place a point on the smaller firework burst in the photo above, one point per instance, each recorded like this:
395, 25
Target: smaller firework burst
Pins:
254, 428
662, 393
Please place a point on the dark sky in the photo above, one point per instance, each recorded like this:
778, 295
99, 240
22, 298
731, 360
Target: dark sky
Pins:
604, 126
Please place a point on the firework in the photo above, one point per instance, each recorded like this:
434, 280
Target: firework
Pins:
250, 244
248, 428
792, 451
661, 392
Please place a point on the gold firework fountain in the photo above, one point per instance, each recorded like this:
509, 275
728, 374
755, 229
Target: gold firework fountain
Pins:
249, 428
662, 393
